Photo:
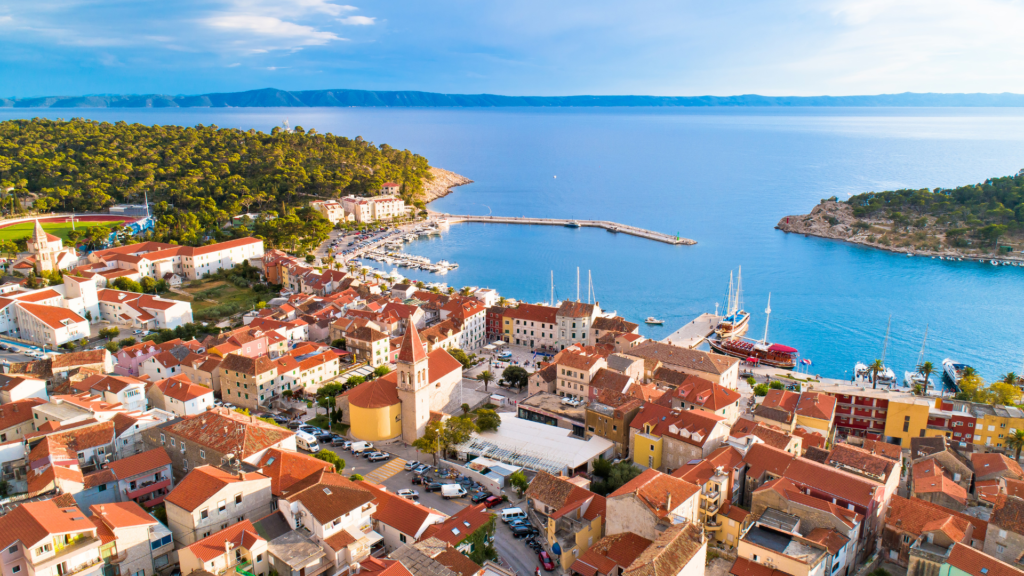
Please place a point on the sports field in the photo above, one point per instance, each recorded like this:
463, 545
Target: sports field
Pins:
61, 229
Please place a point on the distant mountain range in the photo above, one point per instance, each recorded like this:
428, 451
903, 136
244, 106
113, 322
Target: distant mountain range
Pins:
271, 97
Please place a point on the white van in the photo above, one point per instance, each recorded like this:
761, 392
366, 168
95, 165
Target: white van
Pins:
358, 447
449, 491
306, 441
510, 514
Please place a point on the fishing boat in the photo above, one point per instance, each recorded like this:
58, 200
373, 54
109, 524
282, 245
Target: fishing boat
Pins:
885, 377
736, 319
762, 351
916, 378
653, 320
572, 224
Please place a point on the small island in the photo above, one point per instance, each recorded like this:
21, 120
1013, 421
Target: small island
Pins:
979, 221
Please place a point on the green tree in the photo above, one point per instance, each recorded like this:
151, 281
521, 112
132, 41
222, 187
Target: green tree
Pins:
461, 357
761, 390
109, 333
875, 368
381, 371
356, 477
310, 258
601, 467
339, 343
516, 377
486, 377
430, 442
776, 385
465, 408
487, 420
992, 233
926, 369
332, 458
518, 481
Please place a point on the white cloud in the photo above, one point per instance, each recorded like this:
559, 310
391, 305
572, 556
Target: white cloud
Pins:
236, 64
5, 19
272, 27
357, 20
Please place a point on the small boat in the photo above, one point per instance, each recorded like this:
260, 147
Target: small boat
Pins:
572, 224
953, 372
653, 320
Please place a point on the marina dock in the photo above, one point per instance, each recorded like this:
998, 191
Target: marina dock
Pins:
609, 226
697, 331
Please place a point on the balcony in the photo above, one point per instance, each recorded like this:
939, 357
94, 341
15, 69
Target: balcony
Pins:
710, 507
83, 544
929, 552
147, 487
712, 526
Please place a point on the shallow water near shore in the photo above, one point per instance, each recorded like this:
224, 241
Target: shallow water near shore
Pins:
721, 176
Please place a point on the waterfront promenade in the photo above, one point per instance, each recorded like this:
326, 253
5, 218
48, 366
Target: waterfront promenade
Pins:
609, 226
697, 331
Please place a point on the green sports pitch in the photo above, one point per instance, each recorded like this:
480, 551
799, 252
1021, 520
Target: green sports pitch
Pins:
60, 229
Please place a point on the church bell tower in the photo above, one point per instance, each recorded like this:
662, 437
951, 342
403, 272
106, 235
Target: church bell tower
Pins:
413, 385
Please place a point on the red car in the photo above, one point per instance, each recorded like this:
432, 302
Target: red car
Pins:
546, 561
492, 501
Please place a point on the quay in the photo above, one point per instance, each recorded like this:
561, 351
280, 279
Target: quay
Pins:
697, 331
609, 226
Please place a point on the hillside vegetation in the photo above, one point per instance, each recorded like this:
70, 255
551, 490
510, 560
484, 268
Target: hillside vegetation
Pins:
198, 177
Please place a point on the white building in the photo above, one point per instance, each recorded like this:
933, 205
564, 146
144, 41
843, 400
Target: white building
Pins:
49, 326
155, 259
373, 209
331, 209
142, 311
180, 396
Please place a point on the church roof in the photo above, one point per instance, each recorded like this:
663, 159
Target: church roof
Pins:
412, 347
38, 234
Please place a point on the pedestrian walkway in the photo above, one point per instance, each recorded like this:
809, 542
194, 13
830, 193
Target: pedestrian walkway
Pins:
392, 467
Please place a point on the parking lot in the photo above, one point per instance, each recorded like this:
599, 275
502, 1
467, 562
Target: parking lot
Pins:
394, 477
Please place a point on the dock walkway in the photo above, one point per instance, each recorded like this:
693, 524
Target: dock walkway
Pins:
692, 334
609, 226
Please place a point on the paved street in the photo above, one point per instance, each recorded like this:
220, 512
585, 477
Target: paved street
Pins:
516, 554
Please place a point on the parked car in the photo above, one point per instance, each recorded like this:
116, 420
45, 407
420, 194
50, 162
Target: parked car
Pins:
294, 425
421, 469
346, 444
309, 429
338, 440
419, 480
480, 497
434, 487
279, 418
378, 456
409, 494
523, 531
492, 501
412, 465
324, 437
546, 561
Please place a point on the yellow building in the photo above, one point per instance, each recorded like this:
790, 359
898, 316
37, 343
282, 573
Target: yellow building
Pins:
907, 418
572, 516
995, 423
645, 446
375, 412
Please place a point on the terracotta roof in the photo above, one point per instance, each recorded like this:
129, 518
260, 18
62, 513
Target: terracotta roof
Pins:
809, 439
331, 497
912, 517
816, 405
614, 324
611, 551
763, 458
860, 459
203, 483
929, 478
457, 562
654, 352
440, 363
605, 379
577, 359
339, 541
1010, 515
770, 435
141, 463
286, 468
31, 522
980, 526
1014, 487
652, 488
242, 534
744, 567
412, 349
670, 551
977, 563
700, 472
620, 403
246, 365
181, 388
228, 432
563, 496
105, 383
399, 513
789, 491
837, 483
67, 445
533, 313
97, 478
377, 393
122, 514
689, 426
366, 334
467, 520
995, 463
705, 393
124, 422
785, 400
18, 412
52, 316
828, 538
575, 309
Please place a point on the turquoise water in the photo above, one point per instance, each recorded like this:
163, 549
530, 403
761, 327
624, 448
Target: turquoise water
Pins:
723, 177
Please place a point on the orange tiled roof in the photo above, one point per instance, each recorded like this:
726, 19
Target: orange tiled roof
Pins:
142, 463
203, 483
242, 534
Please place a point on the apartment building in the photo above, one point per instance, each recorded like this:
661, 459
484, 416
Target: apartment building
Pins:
210, 499
665, 439
180, 396
332, 210
651, 502
368, 345
571, 516
42, 539
236, 549
574, 321
155, 259
531, 326
471, 318
133, 540
722, 370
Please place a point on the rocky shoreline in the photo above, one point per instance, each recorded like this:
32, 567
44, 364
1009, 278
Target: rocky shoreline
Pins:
835, 221
442, 184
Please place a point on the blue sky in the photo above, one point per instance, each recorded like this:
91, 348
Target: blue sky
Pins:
795, 47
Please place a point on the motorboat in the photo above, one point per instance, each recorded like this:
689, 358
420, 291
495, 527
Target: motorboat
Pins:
653, 320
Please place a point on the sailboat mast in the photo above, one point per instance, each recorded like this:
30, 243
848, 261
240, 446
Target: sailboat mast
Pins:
767, 315
920, 357
739, 288
885, 344
577, 283
552, 301
728, 299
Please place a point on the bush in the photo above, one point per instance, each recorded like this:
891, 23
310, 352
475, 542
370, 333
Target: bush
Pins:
776, 385
751, 380
356, 477
761, 390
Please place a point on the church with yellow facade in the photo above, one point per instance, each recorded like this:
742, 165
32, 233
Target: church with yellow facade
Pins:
399, 404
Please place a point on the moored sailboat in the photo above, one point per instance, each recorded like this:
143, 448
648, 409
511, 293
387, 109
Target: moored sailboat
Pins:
736, 319
762, 351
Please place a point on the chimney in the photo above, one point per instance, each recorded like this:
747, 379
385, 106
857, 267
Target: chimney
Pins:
668, 500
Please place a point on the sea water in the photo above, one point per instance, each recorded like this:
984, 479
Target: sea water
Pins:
721, 176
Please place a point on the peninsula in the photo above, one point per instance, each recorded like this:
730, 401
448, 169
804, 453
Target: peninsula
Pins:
982, 221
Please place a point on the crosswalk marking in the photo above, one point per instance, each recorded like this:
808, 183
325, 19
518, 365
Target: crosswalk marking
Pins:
392, 467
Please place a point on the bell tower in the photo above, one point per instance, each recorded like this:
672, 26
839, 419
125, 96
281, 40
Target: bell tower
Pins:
39, 245
413, 385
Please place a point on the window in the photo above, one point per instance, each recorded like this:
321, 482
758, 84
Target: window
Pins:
259, 557
1000, 548
13, 549
16, 569
172, 442
1002, 533
222, 505
101, 488
906, 423
238, 499
202, 454
401, 538
204, 514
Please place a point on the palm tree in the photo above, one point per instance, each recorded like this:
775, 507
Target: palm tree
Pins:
451, 290
1009, 378
926, 369
486, 377
1016, 441
875, 368
502, 301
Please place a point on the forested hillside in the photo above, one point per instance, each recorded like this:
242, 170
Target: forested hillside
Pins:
198, 177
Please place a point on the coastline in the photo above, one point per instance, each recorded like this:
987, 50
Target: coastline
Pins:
834, 221
443, 183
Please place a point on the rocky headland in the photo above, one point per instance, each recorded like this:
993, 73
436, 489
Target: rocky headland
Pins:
442, 184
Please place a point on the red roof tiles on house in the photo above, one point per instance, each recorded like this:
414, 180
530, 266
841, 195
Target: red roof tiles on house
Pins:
142, 463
